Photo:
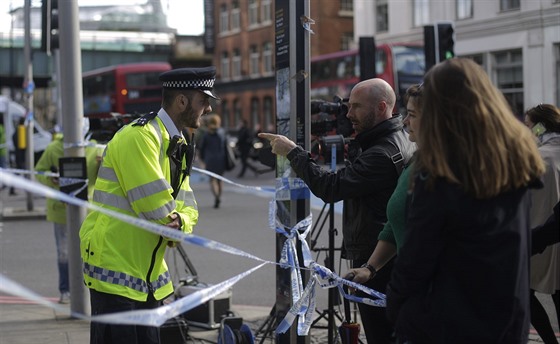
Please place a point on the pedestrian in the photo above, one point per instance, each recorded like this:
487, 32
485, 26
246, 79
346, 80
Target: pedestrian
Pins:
245, 139
462, 273
3, 144
544, 121
392, 236
145, 174
365, 183
19, 152
213, 154
56, 210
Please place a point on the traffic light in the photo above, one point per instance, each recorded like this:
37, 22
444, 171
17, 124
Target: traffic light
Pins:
49, 25
439, 43
445, 40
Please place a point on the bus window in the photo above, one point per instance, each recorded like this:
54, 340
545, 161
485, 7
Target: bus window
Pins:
380, 61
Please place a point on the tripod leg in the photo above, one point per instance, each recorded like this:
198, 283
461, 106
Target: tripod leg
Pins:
268, 323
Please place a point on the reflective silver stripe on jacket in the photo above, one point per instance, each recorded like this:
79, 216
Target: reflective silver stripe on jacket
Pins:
107, 173
188, 198
120, 278
155, 124
160, 212
115, 201
148, 189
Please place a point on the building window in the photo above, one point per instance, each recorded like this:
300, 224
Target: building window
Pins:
254, 60
347, 5
237, 114
464, 9
267, 58
225, 113
557, 53
235, 16
507, 5
346, 40
255, 111
253, 13
421, 12
266, 10
508, 71
267, 114
224, 18
382, 15
236, 64
478, 58
225, 75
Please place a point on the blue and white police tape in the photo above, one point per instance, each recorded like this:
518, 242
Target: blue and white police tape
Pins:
24, 184
84, 144
63, 181
302, 304
304, 301
229, 181
151, 317
27, 172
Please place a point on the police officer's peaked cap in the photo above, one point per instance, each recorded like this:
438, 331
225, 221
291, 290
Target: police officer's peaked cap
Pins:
201, 79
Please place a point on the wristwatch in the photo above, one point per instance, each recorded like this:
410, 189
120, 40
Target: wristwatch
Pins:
371, 270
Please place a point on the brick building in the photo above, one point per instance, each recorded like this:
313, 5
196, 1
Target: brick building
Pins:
243, 50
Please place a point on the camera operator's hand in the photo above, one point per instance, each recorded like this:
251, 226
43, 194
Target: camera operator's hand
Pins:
281, 145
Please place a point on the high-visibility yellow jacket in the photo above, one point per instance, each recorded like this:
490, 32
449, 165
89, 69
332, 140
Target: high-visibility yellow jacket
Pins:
134, 179
56, 210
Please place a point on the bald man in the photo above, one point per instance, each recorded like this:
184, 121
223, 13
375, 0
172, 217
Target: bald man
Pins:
365, 184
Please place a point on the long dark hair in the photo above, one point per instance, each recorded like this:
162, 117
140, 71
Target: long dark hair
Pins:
469, 134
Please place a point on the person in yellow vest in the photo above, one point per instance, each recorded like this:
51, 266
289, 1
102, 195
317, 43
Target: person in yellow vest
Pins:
56, 210
144, 173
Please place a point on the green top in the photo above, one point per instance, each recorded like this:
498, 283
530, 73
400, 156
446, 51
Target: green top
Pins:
56, 210
3, 142
394, 229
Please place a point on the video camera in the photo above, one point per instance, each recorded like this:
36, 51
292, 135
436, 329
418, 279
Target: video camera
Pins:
330, 117
331, 128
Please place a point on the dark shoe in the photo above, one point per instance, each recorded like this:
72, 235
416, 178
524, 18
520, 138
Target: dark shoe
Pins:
217, 203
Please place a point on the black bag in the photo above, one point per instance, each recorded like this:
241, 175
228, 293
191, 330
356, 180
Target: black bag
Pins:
174, 330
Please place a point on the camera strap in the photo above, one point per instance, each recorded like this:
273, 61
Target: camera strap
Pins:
397, 158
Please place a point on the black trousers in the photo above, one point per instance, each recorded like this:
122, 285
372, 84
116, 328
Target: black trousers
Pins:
377, 328
102, 303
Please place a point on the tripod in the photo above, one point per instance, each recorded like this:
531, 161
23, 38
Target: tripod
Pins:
330, 313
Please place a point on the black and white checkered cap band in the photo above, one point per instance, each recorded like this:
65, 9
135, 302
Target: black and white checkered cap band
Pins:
204, 84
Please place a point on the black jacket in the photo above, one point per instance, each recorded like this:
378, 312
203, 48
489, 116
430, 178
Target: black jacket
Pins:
365, 183
462, 274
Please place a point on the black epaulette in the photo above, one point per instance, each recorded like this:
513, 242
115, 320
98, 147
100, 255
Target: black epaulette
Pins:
142, 121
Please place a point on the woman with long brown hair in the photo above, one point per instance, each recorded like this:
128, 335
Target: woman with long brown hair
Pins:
462, 274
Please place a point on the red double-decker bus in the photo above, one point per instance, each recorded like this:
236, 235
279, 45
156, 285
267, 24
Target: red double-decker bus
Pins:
401, 65
130, 89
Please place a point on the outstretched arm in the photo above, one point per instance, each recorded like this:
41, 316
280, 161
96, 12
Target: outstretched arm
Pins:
281, 145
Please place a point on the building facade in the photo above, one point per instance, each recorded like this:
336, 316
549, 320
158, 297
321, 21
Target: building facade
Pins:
244, 53
516, 41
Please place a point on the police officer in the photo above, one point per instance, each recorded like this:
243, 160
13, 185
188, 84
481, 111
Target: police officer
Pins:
144, 173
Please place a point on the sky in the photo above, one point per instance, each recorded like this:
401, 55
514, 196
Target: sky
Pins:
187, 16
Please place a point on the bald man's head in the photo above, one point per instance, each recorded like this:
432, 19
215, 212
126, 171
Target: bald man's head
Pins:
371, 102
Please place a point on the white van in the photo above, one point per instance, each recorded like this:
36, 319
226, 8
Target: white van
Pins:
11, 113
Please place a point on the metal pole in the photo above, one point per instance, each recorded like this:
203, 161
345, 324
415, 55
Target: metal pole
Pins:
292, 89
72, 117
56, 87
29, 87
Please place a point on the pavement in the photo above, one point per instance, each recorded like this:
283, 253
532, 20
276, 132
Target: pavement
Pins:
22, 321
